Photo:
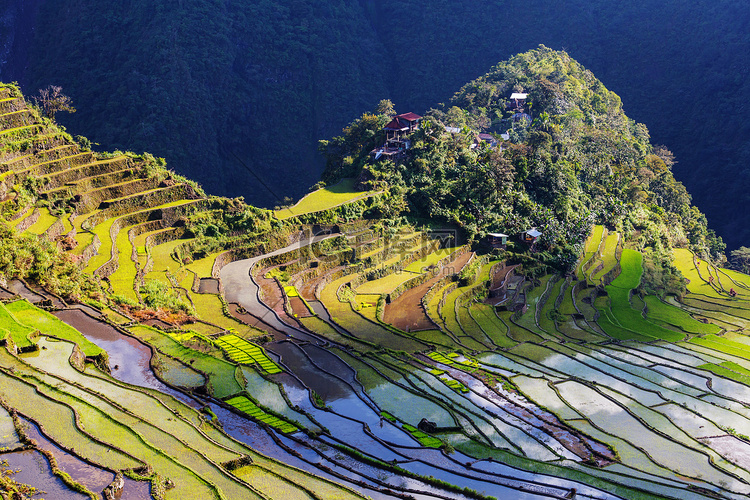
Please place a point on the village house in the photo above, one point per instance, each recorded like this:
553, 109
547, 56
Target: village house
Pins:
497, 240
517, 101
530, 235
396, 135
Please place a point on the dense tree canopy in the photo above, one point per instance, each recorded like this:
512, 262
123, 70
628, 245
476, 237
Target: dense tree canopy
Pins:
580, 159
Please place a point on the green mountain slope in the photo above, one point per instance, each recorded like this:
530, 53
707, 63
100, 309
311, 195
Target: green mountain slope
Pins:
263, 83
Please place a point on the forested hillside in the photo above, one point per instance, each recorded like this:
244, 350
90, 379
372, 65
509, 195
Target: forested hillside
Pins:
259, 84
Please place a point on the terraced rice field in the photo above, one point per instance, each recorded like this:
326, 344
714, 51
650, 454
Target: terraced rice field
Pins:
244, 352
577, 386
243, 404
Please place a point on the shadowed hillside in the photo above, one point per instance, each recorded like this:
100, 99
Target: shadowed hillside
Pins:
259, 84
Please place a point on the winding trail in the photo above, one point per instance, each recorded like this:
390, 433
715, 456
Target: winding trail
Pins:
239, 287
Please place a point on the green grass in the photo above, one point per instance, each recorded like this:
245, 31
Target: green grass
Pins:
324, 199
48, 324
244, 352
246, 406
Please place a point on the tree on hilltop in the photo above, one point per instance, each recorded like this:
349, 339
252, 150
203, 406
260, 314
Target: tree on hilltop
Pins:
53, 100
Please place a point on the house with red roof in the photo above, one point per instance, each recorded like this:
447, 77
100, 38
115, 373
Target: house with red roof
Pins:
396, 135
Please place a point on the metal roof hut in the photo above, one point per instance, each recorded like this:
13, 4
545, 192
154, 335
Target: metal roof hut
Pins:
497, 240
531, 235
517, 100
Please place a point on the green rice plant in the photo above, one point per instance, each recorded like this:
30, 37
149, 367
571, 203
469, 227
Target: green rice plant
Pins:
723, 345
423, 438
454, 384
222, 381
388, 417
697, 281
272, 485
547, 313
386, 284
433, 303
619, 312
727, 372
592, 246
660, 311
105, 250
631, 265
9, 325
46, 323
163, 258
244, 404
242, 351
369, 331
608, 259
210, 308
495, 329
438, 338
45, 220
472, 328
419, 266
440, 358
317, 325
123, 279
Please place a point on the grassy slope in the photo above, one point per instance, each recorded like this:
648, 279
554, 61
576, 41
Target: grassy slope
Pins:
323, 199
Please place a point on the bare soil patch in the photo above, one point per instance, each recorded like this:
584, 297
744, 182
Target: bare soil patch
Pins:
406, 312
